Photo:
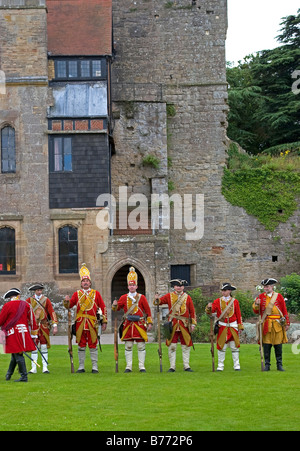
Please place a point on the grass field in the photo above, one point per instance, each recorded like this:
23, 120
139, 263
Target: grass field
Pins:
200, 401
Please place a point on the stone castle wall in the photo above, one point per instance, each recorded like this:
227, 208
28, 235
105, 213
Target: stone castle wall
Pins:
170, 58
169, 101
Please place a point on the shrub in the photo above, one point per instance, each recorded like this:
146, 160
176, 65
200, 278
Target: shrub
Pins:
199, 301
290, 289
246, 301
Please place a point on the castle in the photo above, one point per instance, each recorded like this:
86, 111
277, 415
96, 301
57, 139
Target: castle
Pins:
127, 101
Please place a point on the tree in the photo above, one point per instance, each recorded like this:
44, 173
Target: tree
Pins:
264, 112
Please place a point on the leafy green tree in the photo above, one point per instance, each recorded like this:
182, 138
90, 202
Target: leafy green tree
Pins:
290, 289
264, 111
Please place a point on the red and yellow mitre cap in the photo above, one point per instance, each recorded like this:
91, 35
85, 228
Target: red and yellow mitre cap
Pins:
84, 272
132, 278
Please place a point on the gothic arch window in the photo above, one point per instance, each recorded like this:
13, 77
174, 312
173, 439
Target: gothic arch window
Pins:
68, 249
8, 150
7, 251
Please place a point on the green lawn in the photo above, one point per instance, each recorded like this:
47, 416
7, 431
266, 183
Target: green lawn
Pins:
153, 401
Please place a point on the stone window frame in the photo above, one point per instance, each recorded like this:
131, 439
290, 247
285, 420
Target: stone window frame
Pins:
12, 253
14, 222
60, 220
73, 270
2, 127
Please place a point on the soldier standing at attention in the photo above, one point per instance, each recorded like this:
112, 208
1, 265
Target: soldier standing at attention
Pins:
229, 323
275, 322
45, 317
182, 319
88, 304
17, 321
137, 321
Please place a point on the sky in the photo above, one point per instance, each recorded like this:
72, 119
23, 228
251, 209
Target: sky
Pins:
253, 25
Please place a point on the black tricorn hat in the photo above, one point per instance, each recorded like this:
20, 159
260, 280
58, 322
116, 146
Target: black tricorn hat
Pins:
37, 286
178, 282
269, 281
12, 292
228, 286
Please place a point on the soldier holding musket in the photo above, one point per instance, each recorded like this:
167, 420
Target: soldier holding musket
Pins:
274, 321
137, 320
229, 323
88, 304
45, 317
182, 321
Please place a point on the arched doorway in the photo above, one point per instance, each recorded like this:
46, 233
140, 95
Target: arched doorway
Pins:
119, 285
116, 285
119, 282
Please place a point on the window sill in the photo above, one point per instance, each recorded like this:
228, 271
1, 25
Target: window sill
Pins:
11, 277
66, 276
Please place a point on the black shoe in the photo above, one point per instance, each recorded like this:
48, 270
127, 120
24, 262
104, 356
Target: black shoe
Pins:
171, 370
143, 370
22, 379
189, 370
95, 371
127, 370
80, 371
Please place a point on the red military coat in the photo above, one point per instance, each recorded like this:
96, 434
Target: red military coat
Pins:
230, 324
44, 316
278, 310
182, 314
18, 323
87, 304
135, 330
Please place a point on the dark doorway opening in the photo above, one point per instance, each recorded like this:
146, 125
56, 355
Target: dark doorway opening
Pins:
119, 284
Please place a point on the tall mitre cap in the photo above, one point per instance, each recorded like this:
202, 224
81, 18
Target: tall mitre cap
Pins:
12, 292
228, 286
132, 277
269, 281
84, 272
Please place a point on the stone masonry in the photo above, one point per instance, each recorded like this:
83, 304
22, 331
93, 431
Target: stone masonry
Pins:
169, 105
170, 57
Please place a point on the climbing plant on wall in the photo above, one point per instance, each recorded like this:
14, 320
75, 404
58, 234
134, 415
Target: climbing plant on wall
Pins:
266, 187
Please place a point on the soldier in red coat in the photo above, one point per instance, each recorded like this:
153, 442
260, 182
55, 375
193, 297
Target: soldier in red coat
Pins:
275, 322
137, 321
18, 323
45, 317
89, 307
229, 318
182, 318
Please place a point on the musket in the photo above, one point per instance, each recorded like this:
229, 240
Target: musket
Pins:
159, 337
100, 319
116, 349
260, 337
28, 356
99, 337
211, 335
190, 330
70, 350
262, 365
43, 357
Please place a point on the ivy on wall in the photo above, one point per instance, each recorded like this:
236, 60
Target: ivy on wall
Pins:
272, 196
